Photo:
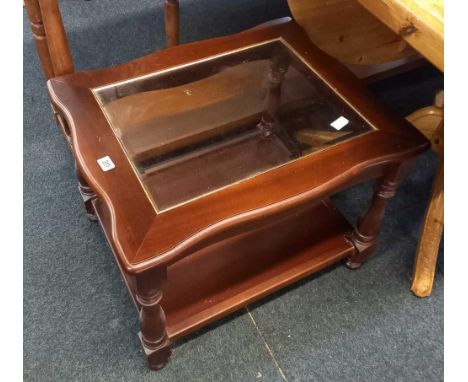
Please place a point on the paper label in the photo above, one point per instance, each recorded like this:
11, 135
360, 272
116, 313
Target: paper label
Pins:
339, 123
106, 163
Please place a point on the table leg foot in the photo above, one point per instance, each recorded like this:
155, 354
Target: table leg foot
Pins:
153, 335
157, 357
364, 245
352, 265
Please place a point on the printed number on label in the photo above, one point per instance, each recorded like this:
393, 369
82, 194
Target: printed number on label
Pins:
106, 163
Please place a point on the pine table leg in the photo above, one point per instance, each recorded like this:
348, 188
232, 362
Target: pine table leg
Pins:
429, 241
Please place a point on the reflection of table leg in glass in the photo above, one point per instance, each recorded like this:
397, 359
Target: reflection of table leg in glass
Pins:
368, 226
277, 70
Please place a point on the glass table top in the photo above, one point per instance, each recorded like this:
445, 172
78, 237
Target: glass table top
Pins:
197, 128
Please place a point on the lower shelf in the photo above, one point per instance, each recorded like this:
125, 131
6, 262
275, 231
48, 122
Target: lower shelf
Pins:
229, 275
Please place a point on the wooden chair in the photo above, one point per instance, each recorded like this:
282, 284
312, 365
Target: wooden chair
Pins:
360, 40
51, 40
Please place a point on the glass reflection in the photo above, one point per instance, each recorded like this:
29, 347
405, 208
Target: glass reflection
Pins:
201, 127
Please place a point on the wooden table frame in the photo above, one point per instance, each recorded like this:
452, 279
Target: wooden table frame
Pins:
148, 245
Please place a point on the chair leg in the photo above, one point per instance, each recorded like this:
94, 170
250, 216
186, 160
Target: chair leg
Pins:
49, 36
40, 39
428, 248
57, 42
171, 18
429, 241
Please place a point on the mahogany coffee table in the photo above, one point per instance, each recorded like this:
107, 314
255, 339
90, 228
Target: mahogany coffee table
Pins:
209, 167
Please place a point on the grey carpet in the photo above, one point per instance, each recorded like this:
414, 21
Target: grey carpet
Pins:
340, 325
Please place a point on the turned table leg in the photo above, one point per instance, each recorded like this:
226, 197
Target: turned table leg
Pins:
87, 194
153, 336
365, 234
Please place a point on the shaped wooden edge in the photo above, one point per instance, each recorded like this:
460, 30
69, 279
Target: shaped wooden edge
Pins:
251, 219
114, 230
